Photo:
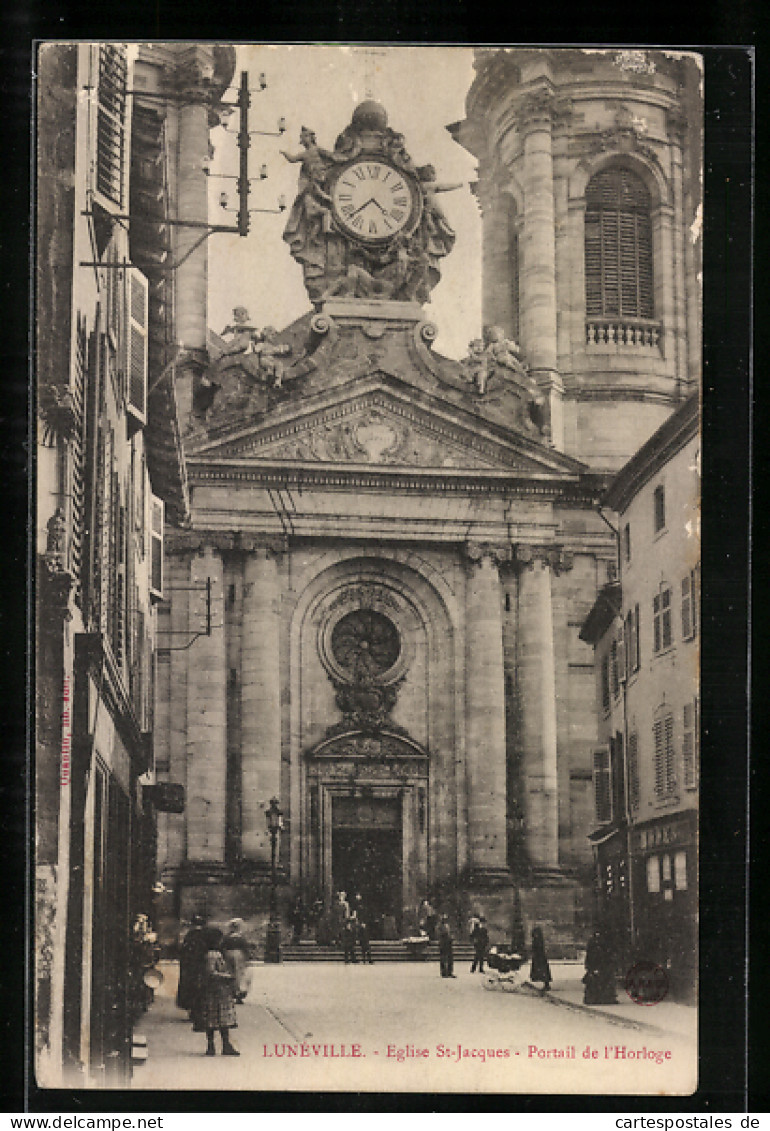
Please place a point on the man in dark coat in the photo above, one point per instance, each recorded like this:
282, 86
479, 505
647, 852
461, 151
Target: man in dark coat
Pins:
539, 971
192, 960
445, 949
599, 978
364, 941
480, 940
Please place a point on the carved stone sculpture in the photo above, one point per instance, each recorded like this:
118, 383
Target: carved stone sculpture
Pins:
366, 222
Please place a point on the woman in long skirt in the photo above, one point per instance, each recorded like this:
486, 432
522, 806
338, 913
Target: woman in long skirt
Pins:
215, 1005
236, 952
539, 971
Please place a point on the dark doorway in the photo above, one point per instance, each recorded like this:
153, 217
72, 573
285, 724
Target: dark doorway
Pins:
366, 859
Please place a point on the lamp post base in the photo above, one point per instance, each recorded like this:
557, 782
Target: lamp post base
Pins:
273, 943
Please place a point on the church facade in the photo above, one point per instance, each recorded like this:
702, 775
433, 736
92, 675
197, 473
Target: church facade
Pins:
374, 615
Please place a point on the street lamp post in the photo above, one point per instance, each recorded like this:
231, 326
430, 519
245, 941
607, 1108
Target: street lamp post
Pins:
274, 818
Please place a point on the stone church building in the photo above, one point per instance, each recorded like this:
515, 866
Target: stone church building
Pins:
374, 616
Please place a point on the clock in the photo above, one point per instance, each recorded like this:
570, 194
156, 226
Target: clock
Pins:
365, 643
373, 201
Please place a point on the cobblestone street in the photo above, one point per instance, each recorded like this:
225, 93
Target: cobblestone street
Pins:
326, 1027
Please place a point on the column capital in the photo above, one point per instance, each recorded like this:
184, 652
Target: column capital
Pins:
556, 557
540, 108
271, 546
474, 553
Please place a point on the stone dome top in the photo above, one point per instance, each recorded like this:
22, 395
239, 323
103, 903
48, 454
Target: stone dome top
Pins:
369, 115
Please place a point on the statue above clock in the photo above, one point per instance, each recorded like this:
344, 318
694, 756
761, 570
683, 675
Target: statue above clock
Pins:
366, 221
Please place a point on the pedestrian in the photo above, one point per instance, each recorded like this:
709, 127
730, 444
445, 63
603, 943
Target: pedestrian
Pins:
348, 938
599, 978
298, 918
539, 971
214, 1006
364, 941
480, 940
237, 953
340, 915
445, 949
191, 963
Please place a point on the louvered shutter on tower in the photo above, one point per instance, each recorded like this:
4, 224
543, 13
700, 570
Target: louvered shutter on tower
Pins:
618, 246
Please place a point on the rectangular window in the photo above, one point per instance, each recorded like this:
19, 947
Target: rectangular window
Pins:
661, 619
665, 869
690, 745
663, 740
602, 786
653, 874
690, 605
659, 505
680, 871
605, 675
614, 671
633, 770
626, 539
632, 640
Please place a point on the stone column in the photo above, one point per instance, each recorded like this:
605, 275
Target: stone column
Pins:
535, 115
485, 713
206, 714
537, 682
260, 699
193, 86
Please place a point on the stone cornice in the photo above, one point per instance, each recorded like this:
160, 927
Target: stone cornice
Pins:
311, 476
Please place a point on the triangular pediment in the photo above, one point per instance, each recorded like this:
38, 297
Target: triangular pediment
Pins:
377, 421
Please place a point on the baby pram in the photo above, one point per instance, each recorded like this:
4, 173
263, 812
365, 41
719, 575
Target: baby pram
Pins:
504, 971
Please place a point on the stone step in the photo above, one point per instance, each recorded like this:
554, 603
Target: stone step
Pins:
382, 951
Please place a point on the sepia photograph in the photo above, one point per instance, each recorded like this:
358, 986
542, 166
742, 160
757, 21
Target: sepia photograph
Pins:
367, 552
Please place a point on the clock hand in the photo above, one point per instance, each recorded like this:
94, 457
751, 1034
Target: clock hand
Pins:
371, 200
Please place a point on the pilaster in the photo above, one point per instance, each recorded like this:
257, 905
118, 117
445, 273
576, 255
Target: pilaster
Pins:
206, 713
485, 712
537, 682
260, 696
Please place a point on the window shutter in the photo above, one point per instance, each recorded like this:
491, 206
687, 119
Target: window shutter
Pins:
670, 768
136, 346
602, 785
621, 653
666, 634
686, 608
605, 676
111, 125
656, 622
689, 743
659, 505
618, 246
156, 547
659, 756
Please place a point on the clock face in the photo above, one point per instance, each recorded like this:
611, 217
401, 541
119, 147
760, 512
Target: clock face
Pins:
374, 201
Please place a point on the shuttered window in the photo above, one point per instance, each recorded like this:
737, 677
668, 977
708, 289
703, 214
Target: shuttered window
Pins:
79, 455
690, 605
602, 786
632, 640
690, 725
661, 619
663, 740
111, 122
618, 246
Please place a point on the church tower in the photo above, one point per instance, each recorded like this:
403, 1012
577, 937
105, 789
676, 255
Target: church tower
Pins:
589, 189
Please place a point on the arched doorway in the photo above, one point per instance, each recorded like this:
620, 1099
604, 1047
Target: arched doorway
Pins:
368, 796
